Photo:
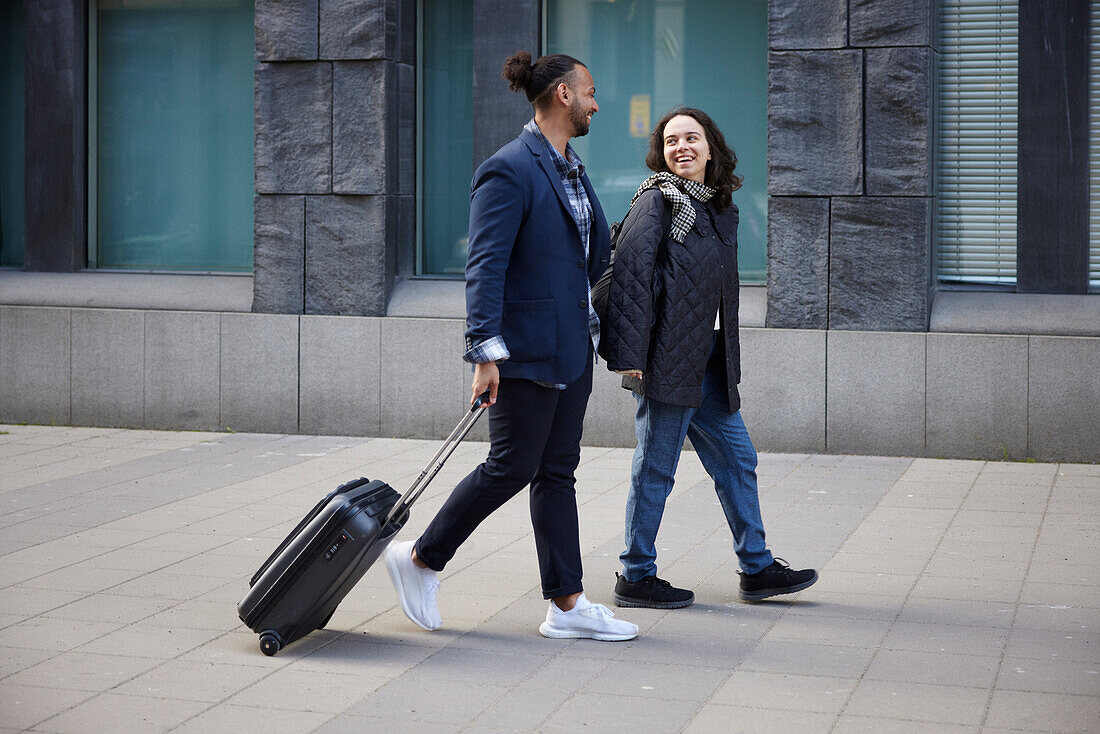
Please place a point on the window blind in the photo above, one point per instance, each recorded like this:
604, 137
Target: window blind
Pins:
976, 164
1094, 147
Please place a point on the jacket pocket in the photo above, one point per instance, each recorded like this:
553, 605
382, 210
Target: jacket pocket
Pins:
530, 330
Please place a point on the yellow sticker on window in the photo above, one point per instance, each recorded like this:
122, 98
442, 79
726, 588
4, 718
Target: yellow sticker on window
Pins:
639, 116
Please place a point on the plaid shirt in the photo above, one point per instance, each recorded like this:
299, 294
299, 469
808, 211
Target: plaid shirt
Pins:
570, 168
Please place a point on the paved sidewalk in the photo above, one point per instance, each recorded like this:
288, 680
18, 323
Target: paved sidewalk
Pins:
955, 596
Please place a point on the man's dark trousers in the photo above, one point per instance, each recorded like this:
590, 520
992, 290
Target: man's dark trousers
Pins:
535, 435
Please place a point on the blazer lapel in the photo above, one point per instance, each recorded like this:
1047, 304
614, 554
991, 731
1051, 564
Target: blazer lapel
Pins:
548, 168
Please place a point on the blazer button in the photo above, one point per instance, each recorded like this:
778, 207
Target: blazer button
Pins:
583, 303
580, 263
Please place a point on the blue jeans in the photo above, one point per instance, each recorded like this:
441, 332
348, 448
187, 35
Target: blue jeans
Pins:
727, 454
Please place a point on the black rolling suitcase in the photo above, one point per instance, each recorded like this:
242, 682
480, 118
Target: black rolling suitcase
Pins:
299, 586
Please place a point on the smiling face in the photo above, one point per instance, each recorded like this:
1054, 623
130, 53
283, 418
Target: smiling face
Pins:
582, 101
686, 149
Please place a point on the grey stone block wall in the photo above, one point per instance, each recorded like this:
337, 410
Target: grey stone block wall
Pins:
977, 404
35, 352
878, 263
182, 370
335, 153
108, 356
974, 396
875, 393
850, 122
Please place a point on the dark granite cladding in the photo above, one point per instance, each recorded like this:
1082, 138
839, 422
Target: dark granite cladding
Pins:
345, 255
361, 131
342, 131
56, 131
798, 262
501, 27
278, 255
286, 30
357, 29
406, 52
405, 258
815, 123
1052, 224
893, 23
406, 130
879, 263
293, 128
805, 24
898, 125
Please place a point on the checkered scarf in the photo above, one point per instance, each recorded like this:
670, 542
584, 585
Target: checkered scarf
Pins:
677, 189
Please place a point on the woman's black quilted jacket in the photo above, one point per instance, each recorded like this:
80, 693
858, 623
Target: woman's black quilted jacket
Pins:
663, 300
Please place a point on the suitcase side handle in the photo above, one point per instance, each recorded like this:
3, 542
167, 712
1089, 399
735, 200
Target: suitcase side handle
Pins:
347, 487
480, 405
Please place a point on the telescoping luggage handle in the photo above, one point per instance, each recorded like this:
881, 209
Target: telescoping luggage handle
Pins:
449, 445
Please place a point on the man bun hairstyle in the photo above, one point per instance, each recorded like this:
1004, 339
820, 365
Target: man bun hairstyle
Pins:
540, 79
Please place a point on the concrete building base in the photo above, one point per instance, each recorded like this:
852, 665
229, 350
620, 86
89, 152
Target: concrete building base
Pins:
976, 396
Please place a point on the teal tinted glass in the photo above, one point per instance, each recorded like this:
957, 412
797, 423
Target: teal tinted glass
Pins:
648, 56
172, 135
11, 133
446, 134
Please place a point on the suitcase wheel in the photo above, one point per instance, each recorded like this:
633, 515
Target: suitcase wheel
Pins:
270, 643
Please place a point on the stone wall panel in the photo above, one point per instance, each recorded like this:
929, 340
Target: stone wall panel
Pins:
898, 128
286, 30
798, 262
277, 269
361, 133
357, 29
807, 24
345, 255
293, 128
879, 263
893, 23
815, 123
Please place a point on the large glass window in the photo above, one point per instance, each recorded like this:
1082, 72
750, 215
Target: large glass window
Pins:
648, 56
11, 133
978, 85
171, 175
446, 134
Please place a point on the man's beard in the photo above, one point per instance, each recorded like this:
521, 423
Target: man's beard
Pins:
579, 119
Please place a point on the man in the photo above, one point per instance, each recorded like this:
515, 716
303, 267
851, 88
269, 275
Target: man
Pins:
538, 240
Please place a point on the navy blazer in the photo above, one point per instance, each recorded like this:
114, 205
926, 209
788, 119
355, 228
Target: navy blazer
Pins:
527, 279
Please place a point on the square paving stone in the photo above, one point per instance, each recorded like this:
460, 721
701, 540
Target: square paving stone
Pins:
82, 672
25, 706
802, 659
1047, 712
650, 680
751, 720
909, 666
918, 702
193, 681
302, 690
230, 718
792, 692
605, 714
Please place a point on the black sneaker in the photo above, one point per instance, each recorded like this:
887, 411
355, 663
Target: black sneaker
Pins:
778, 578
651, 592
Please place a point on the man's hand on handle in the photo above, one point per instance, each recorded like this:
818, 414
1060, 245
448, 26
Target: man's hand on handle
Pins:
486, 377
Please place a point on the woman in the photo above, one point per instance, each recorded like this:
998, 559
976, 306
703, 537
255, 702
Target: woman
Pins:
671, 330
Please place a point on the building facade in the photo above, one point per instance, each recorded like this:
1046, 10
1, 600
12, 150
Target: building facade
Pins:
252, 215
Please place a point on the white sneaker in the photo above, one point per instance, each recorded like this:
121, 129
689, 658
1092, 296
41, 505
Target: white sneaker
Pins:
416, 587
586, 620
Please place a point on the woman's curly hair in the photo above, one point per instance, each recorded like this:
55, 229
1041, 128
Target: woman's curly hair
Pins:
720, 168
